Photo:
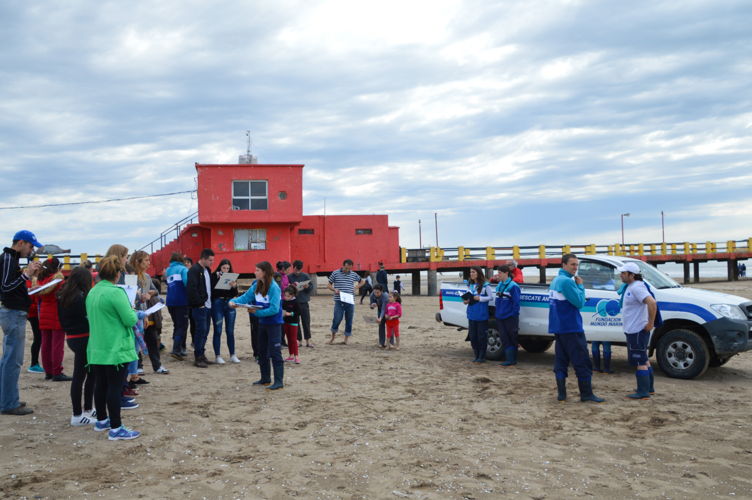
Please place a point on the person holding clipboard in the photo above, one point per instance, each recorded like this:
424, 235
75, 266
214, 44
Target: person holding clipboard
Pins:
224, 286
263, 300
344, 282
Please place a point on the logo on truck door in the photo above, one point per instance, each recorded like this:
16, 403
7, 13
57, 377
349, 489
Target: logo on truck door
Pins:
606, 313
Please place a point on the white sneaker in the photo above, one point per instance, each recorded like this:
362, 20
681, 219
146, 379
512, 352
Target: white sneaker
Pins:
218, 360
81, 420
140, 371
162, 370
92, 414
234, 359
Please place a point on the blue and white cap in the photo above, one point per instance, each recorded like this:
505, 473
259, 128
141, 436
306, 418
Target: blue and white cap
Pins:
26, 235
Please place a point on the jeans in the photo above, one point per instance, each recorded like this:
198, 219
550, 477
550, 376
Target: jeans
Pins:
221, 310
179, 315
202, 317
270, 337
305, 321
152, 344
13, 323
343, 309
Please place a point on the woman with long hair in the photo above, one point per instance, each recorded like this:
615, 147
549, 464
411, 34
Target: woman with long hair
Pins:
480, 295
264, 298
53, 335
110, 348
72, 312
140, 262
221, 310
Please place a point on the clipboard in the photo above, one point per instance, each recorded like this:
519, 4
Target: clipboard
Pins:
156, 307
46, 286
225, 280
347, 298
130, 291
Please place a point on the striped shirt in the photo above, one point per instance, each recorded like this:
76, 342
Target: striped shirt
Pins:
344, 282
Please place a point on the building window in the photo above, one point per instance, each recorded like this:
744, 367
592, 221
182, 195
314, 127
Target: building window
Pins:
305, 231
250, 239
250, 195
364, 231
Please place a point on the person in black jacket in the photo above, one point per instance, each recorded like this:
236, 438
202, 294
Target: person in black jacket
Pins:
381, 278
72, 314
199, 300
14, 297
222, 312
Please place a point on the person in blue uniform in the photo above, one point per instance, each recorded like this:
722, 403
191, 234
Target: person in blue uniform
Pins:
477, 300
566, 298
508, 314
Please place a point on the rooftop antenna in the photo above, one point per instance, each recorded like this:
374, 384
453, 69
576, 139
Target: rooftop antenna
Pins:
247, 158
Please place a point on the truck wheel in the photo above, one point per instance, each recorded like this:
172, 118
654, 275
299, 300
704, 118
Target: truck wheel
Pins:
494, 352
535, 344
683, 354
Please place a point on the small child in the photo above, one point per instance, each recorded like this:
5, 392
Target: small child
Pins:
398, 285
291, 315
392, 316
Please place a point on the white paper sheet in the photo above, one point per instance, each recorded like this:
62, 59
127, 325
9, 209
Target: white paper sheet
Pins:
225, 280
347, 298
250, 306
156, 307
51, 283
131, 280
300, 285
130, 291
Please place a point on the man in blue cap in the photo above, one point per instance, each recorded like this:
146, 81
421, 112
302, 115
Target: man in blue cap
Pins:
14, 307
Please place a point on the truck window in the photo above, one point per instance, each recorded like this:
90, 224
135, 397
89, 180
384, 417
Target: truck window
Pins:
597, 276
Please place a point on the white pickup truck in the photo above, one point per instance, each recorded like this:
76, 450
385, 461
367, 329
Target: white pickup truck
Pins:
700, 328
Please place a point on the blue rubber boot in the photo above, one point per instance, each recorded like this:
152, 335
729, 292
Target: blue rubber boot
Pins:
586, 391
561, 387
279, 372
651, 389
643, 385
511, 355
607, 363
596, 358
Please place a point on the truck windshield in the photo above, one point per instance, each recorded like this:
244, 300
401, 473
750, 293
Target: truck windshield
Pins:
655, 277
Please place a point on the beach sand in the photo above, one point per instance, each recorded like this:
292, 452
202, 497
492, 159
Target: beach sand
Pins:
359, 422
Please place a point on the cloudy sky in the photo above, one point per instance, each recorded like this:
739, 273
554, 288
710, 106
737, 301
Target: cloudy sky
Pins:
518, 122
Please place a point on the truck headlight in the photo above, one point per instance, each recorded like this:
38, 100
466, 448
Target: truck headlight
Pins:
729, 311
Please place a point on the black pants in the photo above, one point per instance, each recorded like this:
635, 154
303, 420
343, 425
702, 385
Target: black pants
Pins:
180, 321
108, 388
36, 345
82, 378
255, 336
305, 321
152, 344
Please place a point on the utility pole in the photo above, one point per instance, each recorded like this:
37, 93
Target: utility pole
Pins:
663, 228
622, 227
420, 235
436, 224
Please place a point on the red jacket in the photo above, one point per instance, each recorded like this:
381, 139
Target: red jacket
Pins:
517, 275
48, 319
34, 307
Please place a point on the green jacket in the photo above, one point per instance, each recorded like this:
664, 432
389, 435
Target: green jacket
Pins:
111, 321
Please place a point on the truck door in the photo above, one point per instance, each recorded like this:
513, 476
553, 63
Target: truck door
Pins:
601, 316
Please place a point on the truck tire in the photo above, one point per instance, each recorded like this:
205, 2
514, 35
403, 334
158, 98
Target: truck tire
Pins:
683, 354
494, 352
535, 344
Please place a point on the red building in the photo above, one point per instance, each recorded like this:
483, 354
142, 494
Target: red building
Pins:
251, 212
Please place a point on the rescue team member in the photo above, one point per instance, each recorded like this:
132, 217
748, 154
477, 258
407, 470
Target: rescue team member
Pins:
508, 314
14, 307
477, 300
639, 312
566, 298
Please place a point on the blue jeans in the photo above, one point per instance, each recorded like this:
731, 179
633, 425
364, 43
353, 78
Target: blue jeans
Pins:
343, 309
221, 310
179, 315
202, 316
13, 324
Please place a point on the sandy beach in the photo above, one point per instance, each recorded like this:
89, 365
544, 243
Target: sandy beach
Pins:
359, 422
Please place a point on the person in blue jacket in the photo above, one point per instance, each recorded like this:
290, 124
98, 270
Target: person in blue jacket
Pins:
177, 303
477, 300
508, 314
265, 295
566, 298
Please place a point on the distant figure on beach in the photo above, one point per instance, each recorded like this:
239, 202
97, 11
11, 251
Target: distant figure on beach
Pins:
382, 278
566, 298
392, 316
398, 285
302, 282
508, 314
344, 281
639, 310
516, 272
477, 300
367, 288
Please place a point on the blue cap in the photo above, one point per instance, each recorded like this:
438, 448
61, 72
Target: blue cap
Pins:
27, 236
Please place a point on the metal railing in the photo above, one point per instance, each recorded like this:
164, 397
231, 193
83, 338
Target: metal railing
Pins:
166, 236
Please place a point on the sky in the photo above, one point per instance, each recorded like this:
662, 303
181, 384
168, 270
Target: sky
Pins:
515, 122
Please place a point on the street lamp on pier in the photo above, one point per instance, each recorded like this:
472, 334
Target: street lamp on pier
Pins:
622, 227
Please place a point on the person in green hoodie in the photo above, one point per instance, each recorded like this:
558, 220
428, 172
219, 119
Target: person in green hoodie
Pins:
111, 347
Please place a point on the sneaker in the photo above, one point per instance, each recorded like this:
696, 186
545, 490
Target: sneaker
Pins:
178, 356
219, 360
122, 433
234, 359
19, 410
61, 377
162, 370
128, 404
200, 363
35, 369
102, 425
81, 420
92, 414
140, 371
297, 360
130, 393
291, 358
184, 353
140, 381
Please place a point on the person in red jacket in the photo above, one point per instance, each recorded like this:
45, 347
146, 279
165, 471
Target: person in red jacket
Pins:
515, 272
53, 335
